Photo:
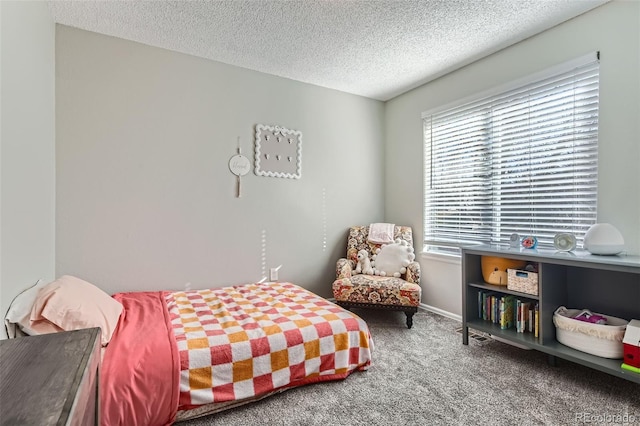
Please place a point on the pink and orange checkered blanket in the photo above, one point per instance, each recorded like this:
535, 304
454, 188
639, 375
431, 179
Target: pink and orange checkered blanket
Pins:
246, 341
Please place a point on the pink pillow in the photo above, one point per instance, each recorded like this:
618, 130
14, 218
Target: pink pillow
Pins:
42, 326
71, 304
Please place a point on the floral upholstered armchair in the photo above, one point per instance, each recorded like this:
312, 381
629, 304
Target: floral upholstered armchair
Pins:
377, 291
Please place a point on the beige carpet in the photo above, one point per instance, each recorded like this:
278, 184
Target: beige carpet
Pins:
425, 376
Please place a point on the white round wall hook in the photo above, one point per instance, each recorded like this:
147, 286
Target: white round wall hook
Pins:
239, 166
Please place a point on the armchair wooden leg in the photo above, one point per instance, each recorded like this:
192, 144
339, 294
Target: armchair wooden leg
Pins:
409, 319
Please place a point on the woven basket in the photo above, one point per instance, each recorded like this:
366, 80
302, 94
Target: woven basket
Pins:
522, 281
603, 340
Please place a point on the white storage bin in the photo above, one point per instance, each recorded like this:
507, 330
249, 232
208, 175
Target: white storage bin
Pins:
604, 340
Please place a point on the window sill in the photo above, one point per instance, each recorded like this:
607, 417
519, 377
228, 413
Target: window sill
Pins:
445, 258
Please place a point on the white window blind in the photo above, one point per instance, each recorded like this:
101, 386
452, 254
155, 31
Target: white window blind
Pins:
522, 161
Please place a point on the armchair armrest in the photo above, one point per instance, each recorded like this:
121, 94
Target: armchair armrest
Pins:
343, 268
413, 273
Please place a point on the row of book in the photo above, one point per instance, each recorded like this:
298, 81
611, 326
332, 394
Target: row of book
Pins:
509, 311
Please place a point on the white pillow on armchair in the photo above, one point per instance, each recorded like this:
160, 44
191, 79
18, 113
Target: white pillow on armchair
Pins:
391, 260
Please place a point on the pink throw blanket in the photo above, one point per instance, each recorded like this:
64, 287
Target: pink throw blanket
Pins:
381, 233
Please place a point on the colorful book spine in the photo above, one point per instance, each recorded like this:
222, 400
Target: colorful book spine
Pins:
523, 316
484, 307
531, 320
506, 314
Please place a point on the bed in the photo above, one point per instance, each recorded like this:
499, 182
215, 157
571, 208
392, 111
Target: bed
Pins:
175, 355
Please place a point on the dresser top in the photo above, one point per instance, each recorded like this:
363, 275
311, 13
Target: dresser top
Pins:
40, 375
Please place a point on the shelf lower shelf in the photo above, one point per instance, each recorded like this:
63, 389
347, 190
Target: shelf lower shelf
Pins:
524, 339
555, 348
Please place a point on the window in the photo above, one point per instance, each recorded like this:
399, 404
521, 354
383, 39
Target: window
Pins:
521, 161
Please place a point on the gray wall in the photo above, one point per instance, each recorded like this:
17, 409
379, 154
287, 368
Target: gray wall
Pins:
27, 120
145, 198
614, 30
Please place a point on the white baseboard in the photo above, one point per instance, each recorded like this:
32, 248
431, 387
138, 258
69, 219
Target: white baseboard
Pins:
441, 312
426, 308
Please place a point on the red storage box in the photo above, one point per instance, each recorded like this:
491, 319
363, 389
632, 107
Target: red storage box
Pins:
631, 344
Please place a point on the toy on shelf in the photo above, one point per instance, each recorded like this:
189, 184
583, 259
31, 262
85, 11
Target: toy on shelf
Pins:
630, 368
494, 269
631, 346
587, 316
529, 242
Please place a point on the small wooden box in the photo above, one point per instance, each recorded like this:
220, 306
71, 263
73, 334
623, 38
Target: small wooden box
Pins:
522, 281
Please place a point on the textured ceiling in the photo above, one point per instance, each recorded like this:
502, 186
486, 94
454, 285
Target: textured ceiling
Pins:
377, 48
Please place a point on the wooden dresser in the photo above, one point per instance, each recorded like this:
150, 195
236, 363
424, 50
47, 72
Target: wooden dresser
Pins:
50, 379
